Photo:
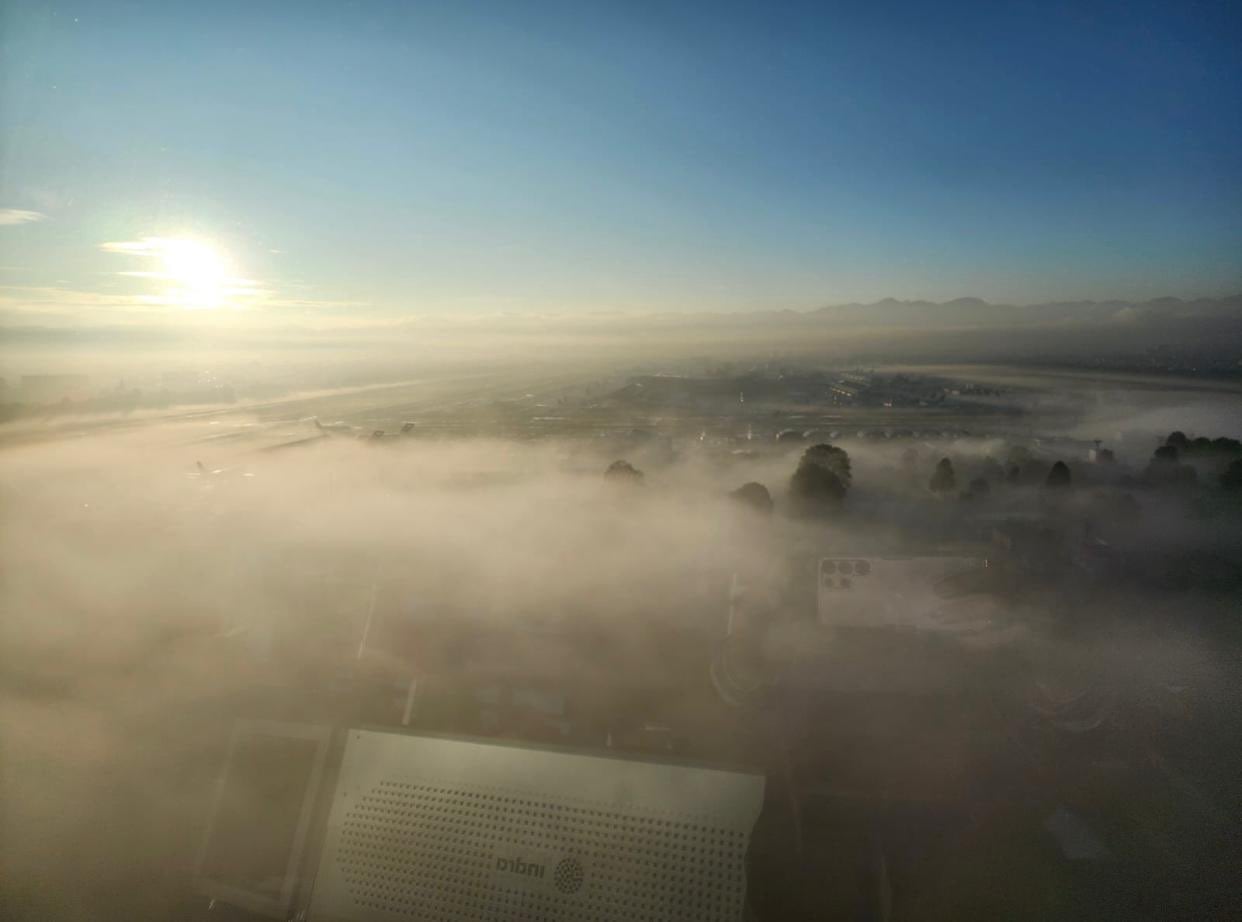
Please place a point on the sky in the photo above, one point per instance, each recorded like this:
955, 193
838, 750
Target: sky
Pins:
339, 162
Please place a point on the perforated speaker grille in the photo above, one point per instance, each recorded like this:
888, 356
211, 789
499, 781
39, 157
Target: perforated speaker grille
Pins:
403, 848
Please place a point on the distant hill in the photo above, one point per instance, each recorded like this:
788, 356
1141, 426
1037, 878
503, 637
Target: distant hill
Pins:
967, 329
977, 312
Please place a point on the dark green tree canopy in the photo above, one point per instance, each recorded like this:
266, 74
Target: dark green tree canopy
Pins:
1167, 453
1202, 445
754, 496
623, 472
816, 489
821, 480
830, 458
1059, 477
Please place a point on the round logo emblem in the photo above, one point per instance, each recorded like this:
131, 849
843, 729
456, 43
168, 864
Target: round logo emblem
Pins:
568, 875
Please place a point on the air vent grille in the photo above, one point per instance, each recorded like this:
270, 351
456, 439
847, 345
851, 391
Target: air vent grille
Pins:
422, 845
420, 851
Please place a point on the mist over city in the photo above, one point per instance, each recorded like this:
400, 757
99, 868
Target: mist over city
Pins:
534, 463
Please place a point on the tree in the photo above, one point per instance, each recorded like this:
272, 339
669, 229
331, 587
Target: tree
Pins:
1167, 454
754, 496
831, 458
1217, 446
623, 472
1177, 439
816, 489
943, 480
1059, 477
822, 478
1231, 479
980, 487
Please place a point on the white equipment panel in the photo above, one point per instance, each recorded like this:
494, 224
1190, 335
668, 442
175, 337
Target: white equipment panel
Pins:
435, 828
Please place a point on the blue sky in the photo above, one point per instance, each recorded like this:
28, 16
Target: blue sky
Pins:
342, 160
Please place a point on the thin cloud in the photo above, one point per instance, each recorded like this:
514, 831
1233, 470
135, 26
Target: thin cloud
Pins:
147, 246
11, 216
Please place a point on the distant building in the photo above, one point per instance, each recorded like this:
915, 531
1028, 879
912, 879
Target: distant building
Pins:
1098, 455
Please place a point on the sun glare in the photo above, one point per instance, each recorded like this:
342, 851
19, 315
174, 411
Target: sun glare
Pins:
198, 275
191, 274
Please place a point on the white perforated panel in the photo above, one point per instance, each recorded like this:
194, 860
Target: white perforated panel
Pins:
440, 829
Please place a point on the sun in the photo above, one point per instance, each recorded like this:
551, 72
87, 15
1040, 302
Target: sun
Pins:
189, 273
198, 275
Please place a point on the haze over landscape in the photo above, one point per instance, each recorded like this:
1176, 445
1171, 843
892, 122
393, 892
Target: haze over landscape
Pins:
842, 399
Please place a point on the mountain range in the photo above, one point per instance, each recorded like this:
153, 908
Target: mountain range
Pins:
977, 312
